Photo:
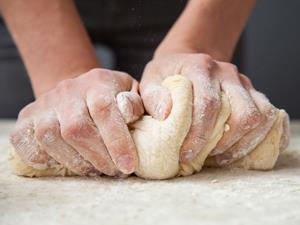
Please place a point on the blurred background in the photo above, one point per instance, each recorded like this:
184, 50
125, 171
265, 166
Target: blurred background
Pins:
268, 52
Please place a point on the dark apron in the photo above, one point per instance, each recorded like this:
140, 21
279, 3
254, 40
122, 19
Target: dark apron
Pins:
131, 28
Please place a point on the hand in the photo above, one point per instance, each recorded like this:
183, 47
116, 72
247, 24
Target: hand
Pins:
79, 125
209, 77
251, 139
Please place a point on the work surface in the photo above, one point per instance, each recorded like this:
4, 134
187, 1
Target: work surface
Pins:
213, 196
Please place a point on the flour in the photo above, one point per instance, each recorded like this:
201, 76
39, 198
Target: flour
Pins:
159, 142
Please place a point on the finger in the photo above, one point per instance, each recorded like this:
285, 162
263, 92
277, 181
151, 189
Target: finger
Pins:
123, 81
130, 104
245, 116
116, 136
49, 138
115, 82
157, 99
79, 131
26, 112
206, 92
23, 140
248, 142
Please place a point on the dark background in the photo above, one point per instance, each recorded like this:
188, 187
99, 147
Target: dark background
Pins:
268, 53
271, 52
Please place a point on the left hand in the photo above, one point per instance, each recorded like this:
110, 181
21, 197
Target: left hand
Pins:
81, 124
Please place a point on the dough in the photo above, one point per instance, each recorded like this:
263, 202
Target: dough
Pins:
265, 155
159, 142
22, 169
197, 163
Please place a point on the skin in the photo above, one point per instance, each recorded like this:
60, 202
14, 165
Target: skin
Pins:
179, 53
76, 131
252, 138
75, 120
209, 78
245, 115
56, 50
51, 39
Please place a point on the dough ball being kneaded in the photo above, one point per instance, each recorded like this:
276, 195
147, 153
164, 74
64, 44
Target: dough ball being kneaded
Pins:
159, 158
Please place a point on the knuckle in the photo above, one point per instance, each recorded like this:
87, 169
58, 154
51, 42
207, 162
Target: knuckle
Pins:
250, 120
245, 79
270, 113
199, 62
64, 85
231, 68
78, 130
19, 133
211, 102
26, 110
48, 133
100, 73
26, 147
126, 76
205, 59
102, 105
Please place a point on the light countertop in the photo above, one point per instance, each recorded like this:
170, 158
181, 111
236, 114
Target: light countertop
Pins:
213, 196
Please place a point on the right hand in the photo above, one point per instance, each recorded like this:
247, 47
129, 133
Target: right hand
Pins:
79, 125
209, 78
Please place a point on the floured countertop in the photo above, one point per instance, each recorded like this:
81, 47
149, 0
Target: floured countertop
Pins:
213, 196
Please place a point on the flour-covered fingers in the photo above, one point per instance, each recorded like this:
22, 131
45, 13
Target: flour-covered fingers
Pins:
27, 111
66, 127
79, 131
244, 116
48, 135
25, 144
104, 111
206, 107
249, 141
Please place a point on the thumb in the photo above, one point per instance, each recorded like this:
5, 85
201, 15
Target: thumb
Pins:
130, 104
157, 100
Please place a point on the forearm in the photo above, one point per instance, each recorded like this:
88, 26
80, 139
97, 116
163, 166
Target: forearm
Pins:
208, 26
51, 39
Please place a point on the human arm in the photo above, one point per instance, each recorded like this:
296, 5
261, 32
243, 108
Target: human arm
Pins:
72, 96
208, 26
212, 28
51, 39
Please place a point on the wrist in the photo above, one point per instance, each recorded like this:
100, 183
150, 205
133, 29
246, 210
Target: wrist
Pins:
166, 48
189, 46
50, 79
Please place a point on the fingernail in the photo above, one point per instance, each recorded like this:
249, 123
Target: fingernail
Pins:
187, 155
159, 111
125, 164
